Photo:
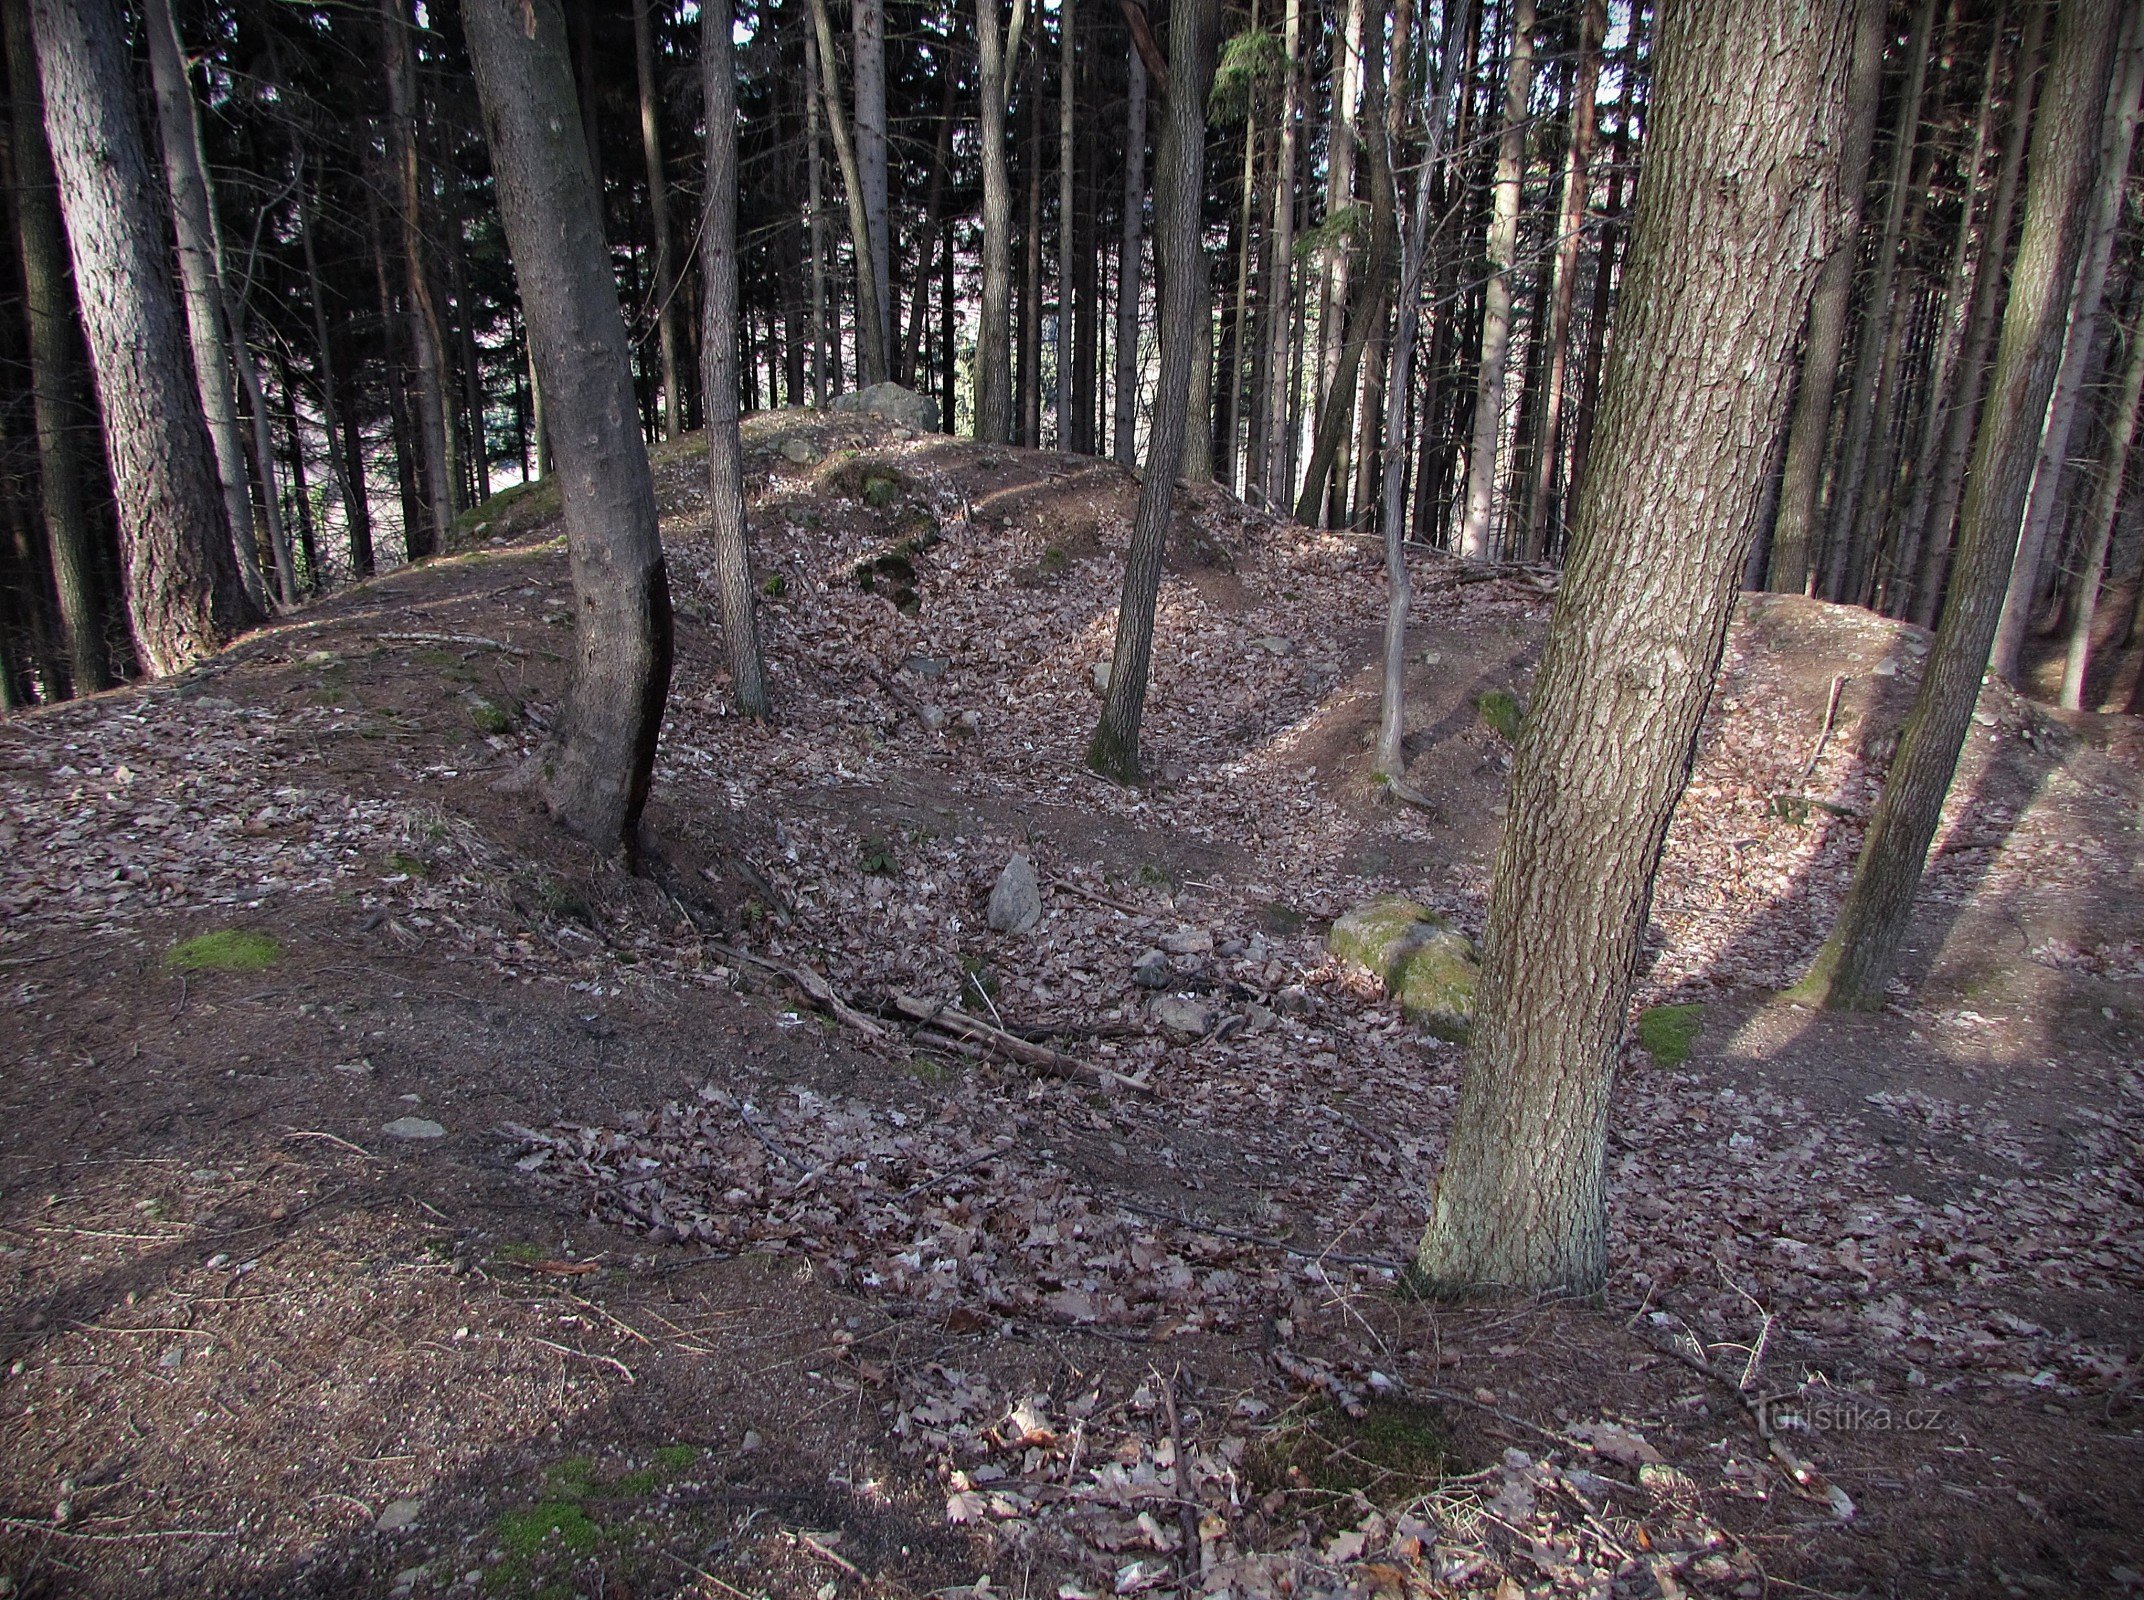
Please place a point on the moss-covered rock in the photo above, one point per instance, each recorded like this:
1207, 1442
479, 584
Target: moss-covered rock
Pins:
1429, 965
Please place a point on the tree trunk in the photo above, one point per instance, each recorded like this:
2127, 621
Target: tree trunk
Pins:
1031, 277
597, 781
183, 588
1989, 278
1233, 445
870, 330
2099, 526
1342, 143
1541, 505
1854, 966
1179, 171
2077, 348
436, 470
1477, 541
1125, 423
1750, 104
920, 302
1278, 479
651, 146
993, 335
201, 275
1067, 106
1801, 486
262, 427
816, 193
59, 403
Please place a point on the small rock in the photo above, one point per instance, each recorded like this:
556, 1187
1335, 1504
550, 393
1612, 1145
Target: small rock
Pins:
1886, 668
1293, 1000
407, 1578
1152, 971
929, 668
398, 1514
752, 1441
931, 717
173, 1359
414, 1128
1184, 1015
1099, 672
1428, 965
1259, 1017
971, 722
801, 451
1188, 942
1016, 901
1276, 644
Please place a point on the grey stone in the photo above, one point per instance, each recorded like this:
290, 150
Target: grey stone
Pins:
929, 668
799, 450
1886, 668
414, 1128
1016, 901
1188, 942
931, 717
398, 1514
1275, 644
1259, 1017
1184, 1015
1099, 672
902, 406
1152, 971
1430, 967
971, 722
1293, 1000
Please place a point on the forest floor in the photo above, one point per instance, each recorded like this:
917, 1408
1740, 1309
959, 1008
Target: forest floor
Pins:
468, 1216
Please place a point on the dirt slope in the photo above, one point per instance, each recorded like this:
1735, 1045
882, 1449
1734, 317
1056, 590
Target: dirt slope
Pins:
697, 1291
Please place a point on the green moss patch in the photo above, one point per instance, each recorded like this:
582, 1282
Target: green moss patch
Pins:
1667, 1032
1397, 1451
1501, 710
226, 950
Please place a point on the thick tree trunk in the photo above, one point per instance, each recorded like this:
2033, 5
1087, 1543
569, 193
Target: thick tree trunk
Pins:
434, 464
1750, 102
201, 275
1125, 422
1854, 966
1801, 484
1989, 278
182, 583
1542, 504
2078, 345
597, 778
1477, 540
718, 361
651, 146
1179, 170
2099, 526
993, 336
59, 401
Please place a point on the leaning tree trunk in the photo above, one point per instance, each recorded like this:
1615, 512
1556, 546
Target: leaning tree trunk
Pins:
183, 588
201, 275
1180, 169
2078, 344
993, 334
1475, 535
59, 401
598, 777
718, 367
1801, 482
2099, 530
1854, 966
1125, 422
1736, 211
651, 150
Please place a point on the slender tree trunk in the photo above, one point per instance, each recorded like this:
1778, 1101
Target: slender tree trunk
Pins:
1235, 447
1342, 144
651, 146
425, 343
1801, 487
1854, 966
1872, 361
816, 193
201, 274
994, 417
182, 583
1542, 507
870, 330
264, 479
1279, 479
2077, 348
598, 779
1477, 538
1989, 280
59, 402
1750, 102
1179, 172
1031, 277
2099, 525
1604, 278
1067, 106
1125, 423
347, 466
301, 500
920, 303
718, 357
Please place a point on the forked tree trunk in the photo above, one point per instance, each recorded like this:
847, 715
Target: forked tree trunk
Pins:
201, 277
1476, 535
1114, 751
1801, 483
182, 585
1853, 968
2078, 345
597, 779
1749, 102
718, 366
59, 399
2099, 528
651, 148
1125, 422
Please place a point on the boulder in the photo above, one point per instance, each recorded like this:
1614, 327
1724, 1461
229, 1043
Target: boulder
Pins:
903, 407
1426, 963
799, 450
1016, 901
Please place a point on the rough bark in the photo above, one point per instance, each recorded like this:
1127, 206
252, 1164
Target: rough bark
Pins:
1067, 106
183, 590
1030, 433
1276, 470
1476, 535
1114, 751
993, 337
60, 402
2078, 345
2099, 525
867, 32
1125, 421
1737, 210
651, 149
718, 365
815, 193
870, 331
1856, 963
1343, 142
434, 462
597, 779
1801, 485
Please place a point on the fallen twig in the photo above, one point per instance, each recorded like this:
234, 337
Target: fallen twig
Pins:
975, 1159
1831, 715
474, 641
809, 984
585, 1355
331, 1138
950, 1019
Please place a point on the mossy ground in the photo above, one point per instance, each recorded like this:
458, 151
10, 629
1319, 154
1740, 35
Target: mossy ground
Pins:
225, 950
1667, 1032
1397, 1451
